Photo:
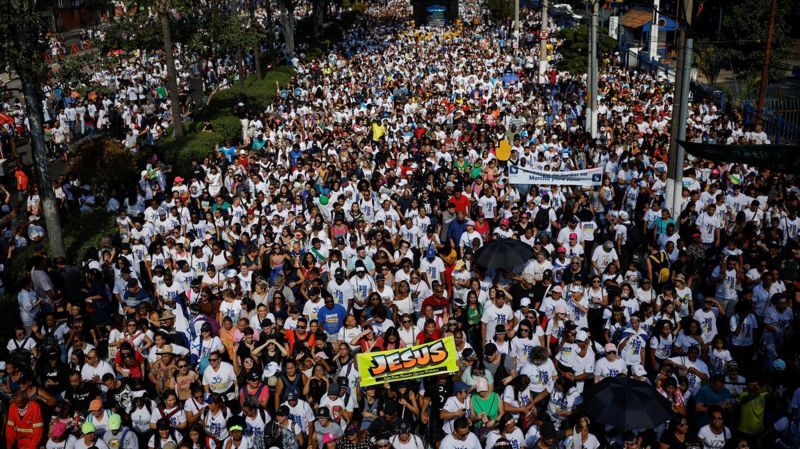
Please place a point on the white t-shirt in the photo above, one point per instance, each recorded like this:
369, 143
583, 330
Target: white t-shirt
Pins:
452, 405
542, 377
221, 380
450, 442
711, 440
606, 368
68, 443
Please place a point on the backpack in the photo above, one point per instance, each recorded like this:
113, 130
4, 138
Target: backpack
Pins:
247, 395
20, 353
542, 219
660, 265
500, 374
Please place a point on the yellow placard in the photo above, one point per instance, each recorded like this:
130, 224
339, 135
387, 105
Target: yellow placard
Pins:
428, 359
503, 152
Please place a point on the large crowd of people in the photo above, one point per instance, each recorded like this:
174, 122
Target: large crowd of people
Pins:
227, 310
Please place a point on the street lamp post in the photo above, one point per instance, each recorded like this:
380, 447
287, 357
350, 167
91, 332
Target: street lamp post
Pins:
591, 103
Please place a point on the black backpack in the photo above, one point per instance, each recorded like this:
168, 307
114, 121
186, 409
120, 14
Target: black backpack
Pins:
542, 219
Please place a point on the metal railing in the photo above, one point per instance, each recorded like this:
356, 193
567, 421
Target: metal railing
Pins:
780, 119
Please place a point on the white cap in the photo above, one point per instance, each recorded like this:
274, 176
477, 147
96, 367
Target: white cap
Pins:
582, 335
525, 302
94, 265
638, 370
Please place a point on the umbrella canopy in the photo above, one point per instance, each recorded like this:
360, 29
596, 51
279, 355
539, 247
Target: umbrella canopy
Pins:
505, 254
626, 404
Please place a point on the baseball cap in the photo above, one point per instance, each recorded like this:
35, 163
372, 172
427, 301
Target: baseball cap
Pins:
114, 422
252, 375
561, 249
481, 385
404, 427
638, 370
558, 289
610, 347
333, 390
525, 302
460, 386
87, 427
283, 410
95, 405
59, 428
323, 412
292, 396
573, 236
328, 437
561, 308
351, 429
582, 335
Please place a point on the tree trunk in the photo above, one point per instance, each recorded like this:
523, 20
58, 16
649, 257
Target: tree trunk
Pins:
172, 76
240, 58
31, 88
318, 15
287, 19
257, 61
257, 47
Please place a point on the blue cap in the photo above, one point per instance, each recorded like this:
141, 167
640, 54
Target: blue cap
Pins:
779, 365
460, 386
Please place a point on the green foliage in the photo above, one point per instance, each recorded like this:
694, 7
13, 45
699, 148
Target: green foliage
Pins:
228, 127
130, 32
746, 23
196, 145
501, 9
82, 233
105, 162
574, 48
359, 7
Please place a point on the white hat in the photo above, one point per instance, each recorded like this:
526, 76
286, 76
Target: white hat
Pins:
638, 370
525, 302
94, 265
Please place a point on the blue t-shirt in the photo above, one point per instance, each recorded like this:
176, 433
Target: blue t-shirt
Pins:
331, 320
708, 397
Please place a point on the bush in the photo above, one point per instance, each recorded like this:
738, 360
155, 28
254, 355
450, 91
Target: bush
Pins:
359, 7
228, 127
181, 152
105, 161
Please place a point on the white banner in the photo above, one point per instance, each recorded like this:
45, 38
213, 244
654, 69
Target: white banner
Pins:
524, 175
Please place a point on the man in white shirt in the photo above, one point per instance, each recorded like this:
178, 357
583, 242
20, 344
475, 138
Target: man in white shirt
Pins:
455, 406
219, 377
461, 437
95, 368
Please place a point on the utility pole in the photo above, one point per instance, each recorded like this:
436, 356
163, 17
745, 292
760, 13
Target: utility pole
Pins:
653, 48
680, 108
543, 35
591, 104
762, 91
516, 24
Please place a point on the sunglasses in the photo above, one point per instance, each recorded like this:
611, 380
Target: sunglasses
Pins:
214, 359
183, 366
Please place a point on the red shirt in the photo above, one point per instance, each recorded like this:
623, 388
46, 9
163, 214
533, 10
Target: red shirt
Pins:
461, 204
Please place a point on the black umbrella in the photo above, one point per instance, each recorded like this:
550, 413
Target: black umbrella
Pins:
505, 254
626, 404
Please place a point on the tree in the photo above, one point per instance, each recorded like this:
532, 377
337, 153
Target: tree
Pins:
709, 62
501, 9
23, 48
575, 46
744, 27
288, 22
318, 14
163, 10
